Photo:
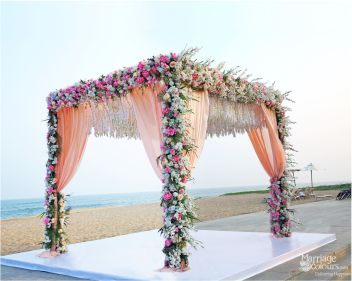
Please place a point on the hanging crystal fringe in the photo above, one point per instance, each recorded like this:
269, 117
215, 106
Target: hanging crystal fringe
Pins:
115, 118
228, 118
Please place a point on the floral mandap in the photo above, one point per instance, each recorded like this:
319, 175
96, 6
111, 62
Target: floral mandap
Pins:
172, 103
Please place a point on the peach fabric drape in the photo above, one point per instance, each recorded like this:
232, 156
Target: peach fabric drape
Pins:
148, 114
267, 144
199, 122
73, 128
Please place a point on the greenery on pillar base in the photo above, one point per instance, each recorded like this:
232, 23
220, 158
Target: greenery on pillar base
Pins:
55, 223
280, 214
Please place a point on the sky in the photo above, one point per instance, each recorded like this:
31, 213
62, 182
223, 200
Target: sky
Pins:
304, 47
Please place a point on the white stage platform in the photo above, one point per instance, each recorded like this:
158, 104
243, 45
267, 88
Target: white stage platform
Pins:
138, 256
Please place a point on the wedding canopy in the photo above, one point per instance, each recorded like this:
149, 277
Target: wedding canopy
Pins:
172, 103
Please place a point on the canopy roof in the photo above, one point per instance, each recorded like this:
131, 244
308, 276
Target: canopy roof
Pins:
233, 98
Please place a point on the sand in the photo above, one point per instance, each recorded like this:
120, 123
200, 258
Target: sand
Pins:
24, 234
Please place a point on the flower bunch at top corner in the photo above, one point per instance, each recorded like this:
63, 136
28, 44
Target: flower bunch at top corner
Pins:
117, 83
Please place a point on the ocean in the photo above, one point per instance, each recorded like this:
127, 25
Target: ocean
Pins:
31, 207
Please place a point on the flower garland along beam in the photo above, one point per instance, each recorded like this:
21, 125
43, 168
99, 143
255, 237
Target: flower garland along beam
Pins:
178, 72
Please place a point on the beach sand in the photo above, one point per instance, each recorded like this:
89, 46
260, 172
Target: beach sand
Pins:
24, 234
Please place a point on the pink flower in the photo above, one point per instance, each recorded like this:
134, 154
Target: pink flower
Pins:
167, 242
51, 190
194, 76
172, 151
181, 191
184, 179
164, 59
145, 74
284, 202
176, 158
179, 216
140, 65
273, 180
167, 170
154, 70
46, 220
174, 56
164, 66
51, 168
167, 196
173, 64
140, 80
170, 131
166, 110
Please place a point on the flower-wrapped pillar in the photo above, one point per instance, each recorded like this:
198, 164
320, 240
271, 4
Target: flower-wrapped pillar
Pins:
279, 212
178, 214
281, 216
54, 204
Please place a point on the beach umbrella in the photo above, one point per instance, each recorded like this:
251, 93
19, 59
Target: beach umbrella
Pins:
293, 174
310, 167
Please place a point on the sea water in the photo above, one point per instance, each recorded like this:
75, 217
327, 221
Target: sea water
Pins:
31, 207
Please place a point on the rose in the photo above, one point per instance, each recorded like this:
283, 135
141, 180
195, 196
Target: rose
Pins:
167, 196
145, 74
184, 179
46, 220
181, 191
140, 80
170, 131
173, 64
51, 190
172, 151
180, 197
167, 170
179, 216
176, 158
166, 110
168, 243
51, 168
164, 59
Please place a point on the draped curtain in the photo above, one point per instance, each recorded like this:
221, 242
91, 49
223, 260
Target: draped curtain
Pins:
73, 128
74, 125
267, 144
199, 104
148, 114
